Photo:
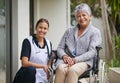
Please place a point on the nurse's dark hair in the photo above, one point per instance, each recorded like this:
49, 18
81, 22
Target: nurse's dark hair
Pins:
42, 20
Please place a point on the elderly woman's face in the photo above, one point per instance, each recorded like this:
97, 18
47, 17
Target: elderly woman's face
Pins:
83, 18
41, 29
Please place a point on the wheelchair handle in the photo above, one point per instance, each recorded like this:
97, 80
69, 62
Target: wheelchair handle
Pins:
98, 48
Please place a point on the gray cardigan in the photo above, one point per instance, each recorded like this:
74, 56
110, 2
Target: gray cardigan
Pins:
84, 45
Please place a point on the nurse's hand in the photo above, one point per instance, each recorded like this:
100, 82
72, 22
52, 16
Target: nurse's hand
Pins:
45, 68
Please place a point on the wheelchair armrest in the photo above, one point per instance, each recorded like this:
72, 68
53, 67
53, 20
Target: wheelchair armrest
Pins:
95, 64
52, 59
96, 60
54, 54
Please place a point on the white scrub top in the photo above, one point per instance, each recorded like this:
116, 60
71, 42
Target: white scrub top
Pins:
40, 56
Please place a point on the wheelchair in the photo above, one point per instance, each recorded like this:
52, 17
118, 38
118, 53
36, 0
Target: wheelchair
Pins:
96, 74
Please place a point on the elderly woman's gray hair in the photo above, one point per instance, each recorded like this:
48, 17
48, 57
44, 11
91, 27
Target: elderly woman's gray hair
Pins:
83, 7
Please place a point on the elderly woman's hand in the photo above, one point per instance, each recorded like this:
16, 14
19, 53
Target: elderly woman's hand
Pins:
65, 57
68, 60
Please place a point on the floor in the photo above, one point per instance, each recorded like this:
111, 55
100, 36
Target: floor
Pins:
2, 76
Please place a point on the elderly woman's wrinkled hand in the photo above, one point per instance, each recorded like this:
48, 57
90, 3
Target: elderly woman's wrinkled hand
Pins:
68, 60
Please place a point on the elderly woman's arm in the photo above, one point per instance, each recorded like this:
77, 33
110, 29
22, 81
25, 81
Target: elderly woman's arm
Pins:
61, 46
96, 40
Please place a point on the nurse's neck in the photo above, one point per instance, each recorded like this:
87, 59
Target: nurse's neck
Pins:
39, 39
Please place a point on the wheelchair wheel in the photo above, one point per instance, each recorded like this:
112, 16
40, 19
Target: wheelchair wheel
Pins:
102, 74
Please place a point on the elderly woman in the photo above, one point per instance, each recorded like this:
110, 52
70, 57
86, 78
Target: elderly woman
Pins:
80, 41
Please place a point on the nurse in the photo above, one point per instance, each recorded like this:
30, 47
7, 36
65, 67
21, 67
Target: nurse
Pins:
35, 54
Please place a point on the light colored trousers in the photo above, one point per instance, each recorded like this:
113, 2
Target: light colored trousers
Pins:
65, 74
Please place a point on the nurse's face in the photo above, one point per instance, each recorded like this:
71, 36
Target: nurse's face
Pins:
83, 19
41, 29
